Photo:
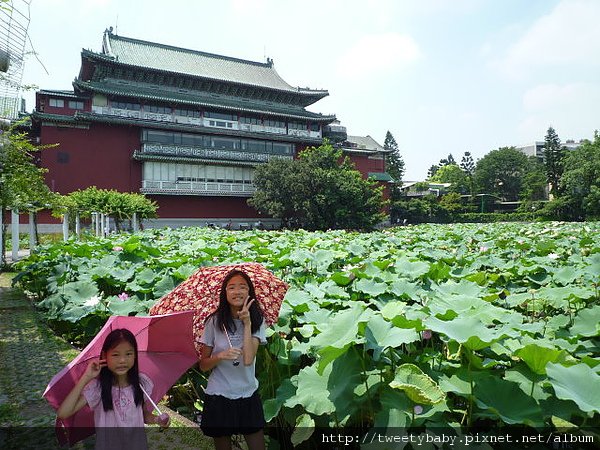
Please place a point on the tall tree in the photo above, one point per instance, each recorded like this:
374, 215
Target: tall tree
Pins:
393, 160
553, 160
501, 173
21, 181
467, 164
432, 170
581, 181
454, 175
447, 161
319, 190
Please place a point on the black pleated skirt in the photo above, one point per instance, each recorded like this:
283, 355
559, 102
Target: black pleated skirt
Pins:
222, 416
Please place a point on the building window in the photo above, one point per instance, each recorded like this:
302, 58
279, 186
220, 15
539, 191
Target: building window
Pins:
251, 120
296, 126
125, 105
315, 127
75, 104
220, 116
57, 102
157, 109
62, 158
187, 113
274, 123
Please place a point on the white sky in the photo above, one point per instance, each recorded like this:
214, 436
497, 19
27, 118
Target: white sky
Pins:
444, 76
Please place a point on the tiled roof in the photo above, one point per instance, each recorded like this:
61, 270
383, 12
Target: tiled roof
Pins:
199, 98
167, 58
380, 176
363, 143
58, 93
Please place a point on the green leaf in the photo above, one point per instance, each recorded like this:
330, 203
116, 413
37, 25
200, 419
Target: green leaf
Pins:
418, 386
469, 331
305, 427
164, 286
579, 383
536, 357
507, 401
381, 334
272, 406
312, 393
587, 322
370, 287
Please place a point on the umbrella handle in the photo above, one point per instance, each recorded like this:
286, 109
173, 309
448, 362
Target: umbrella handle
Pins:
151, 401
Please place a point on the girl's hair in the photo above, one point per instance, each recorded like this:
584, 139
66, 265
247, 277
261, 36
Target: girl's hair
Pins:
223, 312
107, 378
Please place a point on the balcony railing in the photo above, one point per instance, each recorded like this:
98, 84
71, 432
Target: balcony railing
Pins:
197, 188
206, 122
208, 153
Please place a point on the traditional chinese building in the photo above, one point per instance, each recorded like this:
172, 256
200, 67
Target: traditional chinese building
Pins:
186, 128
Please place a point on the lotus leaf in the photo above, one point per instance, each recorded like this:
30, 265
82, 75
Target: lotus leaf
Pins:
418, 386
579, 383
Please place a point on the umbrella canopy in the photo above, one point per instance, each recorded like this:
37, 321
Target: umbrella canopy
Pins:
200, 292
165, 352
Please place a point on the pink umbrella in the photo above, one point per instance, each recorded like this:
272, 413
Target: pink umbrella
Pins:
165, 351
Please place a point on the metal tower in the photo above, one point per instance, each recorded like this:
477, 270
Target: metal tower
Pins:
14, 23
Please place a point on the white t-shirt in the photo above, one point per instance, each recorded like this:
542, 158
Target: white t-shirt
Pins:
226, 379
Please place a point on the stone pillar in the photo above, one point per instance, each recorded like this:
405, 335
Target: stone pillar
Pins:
15, 234
32, 242
65, 227
136, 226
77, 225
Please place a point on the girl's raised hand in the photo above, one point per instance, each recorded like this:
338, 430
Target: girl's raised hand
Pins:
244, 314
93, 368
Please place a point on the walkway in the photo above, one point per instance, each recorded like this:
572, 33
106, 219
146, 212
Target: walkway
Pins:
30, 354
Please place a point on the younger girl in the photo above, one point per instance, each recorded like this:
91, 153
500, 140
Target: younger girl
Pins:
231, 338
112, 387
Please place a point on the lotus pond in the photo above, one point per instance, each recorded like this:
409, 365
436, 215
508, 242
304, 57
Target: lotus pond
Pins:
420, 327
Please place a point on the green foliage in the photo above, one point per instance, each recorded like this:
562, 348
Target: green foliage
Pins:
119, 205
453, 174
581, 181
534, 182
501, 173
22, 185
394, 164
422, 326
554, 154
320, 190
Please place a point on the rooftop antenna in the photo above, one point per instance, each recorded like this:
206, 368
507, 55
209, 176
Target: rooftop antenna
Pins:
14, 24
117, 25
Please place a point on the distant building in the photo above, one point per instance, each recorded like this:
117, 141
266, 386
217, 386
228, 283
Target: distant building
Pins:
537, 148
365, 152
423, 188
186, 128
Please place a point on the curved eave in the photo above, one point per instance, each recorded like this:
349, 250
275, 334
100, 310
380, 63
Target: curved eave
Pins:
308, 96
54, 118
91, 117
169, 99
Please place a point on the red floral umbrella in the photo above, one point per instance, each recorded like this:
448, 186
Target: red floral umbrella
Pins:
200, 292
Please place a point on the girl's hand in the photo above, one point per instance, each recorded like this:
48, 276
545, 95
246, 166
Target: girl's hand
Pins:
231, 354
93, 369
163, 420
244, 314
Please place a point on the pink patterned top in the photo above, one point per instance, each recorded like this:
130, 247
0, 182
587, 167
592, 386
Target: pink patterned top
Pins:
124, 415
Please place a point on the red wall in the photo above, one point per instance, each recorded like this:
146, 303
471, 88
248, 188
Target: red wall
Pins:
191, 206
99, 156
365, 165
